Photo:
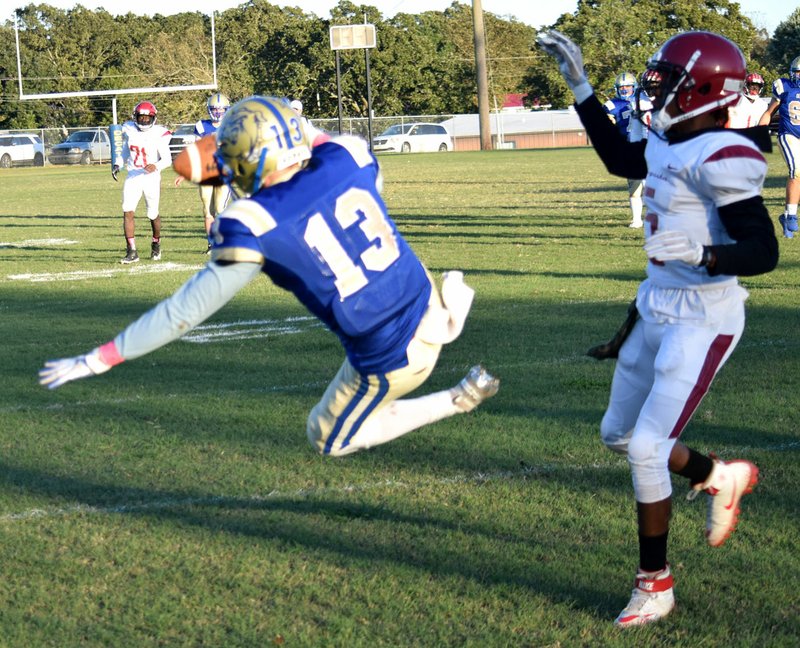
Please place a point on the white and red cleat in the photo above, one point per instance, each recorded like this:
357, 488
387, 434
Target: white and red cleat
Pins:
725, 486
651, 600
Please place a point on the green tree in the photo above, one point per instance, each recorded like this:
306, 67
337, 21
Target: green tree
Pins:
620, 35
785, 44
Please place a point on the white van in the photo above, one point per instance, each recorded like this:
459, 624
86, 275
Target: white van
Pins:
413, 138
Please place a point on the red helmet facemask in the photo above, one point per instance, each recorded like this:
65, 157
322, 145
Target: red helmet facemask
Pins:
697, 72
144, 115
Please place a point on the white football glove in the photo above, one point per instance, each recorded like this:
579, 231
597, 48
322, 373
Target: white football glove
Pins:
57, 372
672, 245
568, 56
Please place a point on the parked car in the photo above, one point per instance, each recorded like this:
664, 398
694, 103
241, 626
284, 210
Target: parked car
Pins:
181, 138
82, 147
415, 137
21, 150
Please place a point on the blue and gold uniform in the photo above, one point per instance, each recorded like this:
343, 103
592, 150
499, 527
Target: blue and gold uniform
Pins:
325, 236
314, 222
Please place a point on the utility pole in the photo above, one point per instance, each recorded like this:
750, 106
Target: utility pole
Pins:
483, 77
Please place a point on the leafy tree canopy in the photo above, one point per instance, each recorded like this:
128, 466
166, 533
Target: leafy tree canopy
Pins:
423, 64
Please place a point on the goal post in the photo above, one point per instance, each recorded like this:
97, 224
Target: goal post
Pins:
119, 91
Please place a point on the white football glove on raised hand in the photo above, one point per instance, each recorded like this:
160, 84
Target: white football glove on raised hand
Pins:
57, 372
570, 62
672, 245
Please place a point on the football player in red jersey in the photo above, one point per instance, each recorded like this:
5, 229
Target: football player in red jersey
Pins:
145, 153
705, 224
746, 112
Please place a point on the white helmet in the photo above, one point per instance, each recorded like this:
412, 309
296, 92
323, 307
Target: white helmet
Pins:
217, 105
297, 106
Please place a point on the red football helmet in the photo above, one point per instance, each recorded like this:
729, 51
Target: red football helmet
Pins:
699, 71
144, 115
753, 84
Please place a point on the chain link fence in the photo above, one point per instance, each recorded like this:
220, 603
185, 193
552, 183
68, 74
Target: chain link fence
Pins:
510, 130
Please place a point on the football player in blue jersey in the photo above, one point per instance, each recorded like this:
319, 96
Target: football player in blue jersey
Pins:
214, 198
620, 108
786, 98
312, 219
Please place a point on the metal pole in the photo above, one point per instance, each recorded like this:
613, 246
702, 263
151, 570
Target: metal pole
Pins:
369, 100
483, 77
339, 89
213, 49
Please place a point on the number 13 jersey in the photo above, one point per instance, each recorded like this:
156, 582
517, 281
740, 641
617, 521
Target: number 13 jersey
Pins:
325, 236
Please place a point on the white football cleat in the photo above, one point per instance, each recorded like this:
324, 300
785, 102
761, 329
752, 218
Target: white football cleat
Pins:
474, 388
652, 599
725, 486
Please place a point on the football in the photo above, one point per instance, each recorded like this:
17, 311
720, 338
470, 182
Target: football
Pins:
196, 162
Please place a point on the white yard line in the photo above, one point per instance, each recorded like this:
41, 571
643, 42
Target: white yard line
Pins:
85, 275
250, 329
35, 243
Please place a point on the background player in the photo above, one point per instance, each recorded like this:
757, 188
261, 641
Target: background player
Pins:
747, 112
315, 135
326, 237
214, 198
145, 153
621, 109
786, 97
706, 223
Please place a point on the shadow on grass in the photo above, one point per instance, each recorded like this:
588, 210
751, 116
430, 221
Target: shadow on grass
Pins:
357, 533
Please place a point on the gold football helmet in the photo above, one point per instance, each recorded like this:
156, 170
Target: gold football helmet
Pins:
257, 136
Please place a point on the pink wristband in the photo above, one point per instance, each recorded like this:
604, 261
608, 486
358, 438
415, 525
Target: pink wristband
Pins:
110, 355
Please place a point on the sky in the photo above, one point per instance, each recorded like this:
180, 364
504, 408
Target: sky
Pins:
537, 13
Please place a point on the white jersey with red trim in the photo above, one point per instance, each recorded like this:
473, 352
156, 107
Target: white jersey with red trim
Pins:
746, 112
143, 147
686, 184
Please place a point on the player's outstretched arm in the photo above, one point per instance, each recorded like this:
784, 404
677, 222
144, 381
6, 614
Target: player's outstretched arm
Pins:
199, 298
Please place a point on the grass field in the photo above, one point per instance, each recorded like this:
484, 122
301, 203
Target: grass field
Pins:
176, 502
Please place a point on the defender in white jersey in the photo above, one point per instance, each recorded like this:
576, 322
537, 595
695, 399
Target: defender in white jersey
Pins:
314, 222
145, 153
747, 112
786, 100
705, 224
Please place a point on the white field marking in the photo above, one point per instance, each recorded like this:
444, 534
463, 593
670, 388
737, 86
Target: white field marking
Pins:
38, 243
250, 329
84, 275
388, 484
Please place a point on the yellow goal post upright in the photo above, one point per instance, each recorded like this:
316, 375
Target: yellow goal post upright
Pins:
115, 130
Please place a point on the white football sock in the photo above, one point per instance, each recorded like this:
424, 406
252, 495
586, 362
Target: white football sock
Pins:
636, 209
